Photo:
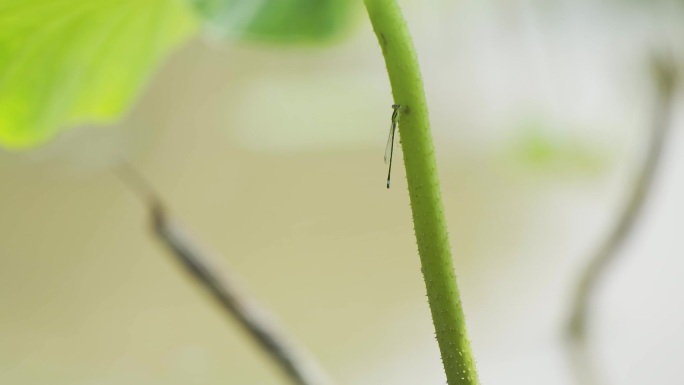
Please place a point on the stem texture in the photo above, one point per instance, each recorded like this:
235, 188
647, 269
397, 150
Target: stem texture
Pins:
423, 184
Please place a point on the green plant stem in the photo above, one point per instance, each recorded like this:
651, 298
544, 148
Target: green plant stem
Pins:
423, 184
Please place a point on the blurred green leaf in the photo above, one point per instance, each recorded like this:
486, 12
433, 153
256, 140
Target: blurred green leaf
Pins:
280, 21
548, 151
69, 62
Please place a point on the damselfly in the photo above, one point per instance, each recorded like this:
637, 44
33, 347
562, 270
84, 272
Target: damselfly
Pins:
389, 149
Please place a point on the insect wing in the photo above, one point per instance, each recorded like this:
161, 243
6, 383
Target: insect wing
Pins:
389, 148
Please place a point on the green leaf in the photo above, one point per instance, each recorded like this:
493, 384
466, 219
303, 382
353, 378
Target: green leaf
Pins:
70, 62
280, 21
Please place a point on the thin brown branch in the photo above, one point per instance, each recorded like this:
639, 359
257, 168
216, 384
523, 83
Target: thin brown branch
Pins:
665, 79
300, 367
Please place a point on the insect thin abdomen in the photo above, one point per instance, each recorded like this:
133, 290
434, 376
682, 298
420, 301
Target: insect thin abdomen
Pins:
389, 149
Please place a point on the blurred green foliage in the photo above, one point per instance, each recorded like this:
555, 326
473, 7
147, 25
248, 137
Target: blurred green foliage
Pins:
545, 151
70, 62
280, 21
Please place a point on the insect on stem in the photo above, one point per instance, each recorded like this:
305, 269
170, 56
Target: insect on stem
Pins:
389, 149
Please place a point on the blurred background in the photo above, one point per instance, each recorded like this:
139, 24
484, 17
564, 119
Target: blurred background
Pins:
271, 156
